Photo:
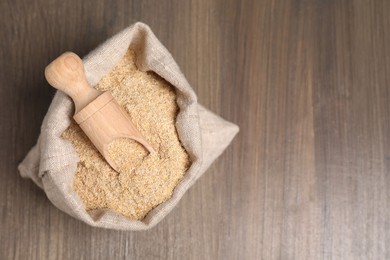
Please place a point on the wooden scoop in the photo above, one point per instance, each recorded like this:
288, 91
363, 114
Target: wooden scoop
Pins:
98, 114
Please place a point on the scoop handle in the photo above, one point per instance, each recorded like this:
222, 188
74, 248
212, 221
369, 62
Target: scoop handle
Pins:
66, 73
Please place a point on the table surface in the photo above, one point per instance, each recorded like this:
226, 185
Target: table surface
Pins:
307, 82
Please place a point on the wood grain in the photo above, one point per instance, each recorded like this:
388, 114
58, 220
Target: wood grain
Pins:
307, 81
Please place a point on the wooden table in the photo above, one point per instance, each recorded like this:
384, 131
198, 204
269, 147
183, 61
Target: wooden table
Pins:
308, 176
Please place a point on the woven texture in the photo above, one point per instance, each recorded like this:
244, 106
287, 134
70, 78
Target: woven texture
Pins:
52, 162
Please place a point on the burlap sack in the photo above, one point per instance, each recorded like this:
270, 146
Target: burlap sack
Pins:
52, 163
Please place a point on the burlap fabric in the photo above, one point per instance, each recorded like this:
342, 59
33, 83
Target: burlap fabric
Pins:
52, 162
